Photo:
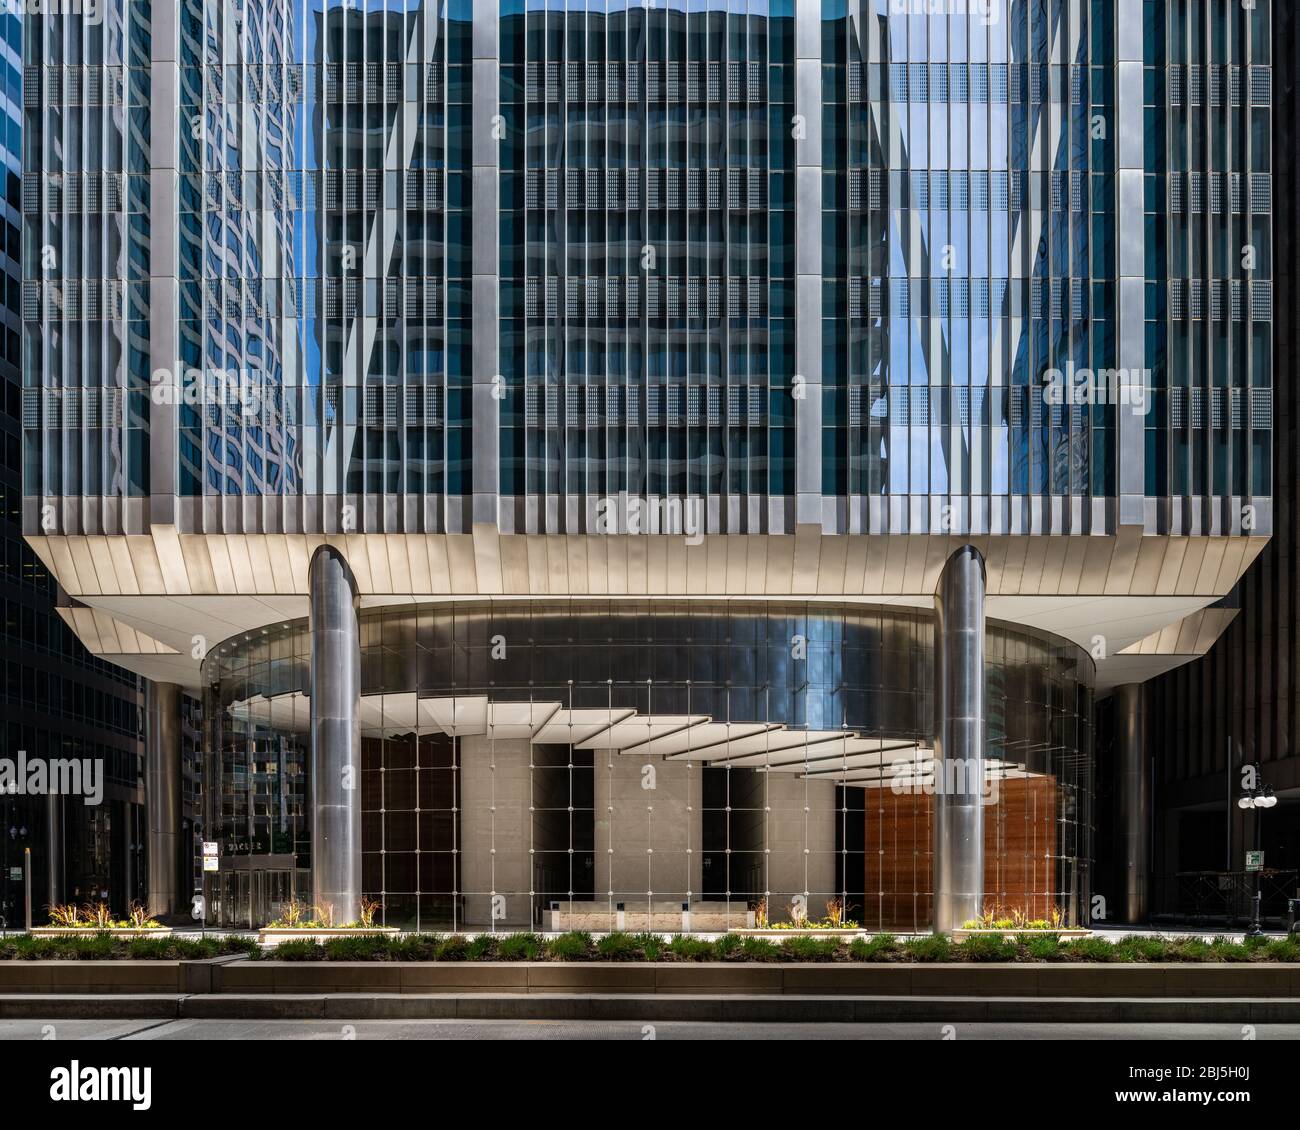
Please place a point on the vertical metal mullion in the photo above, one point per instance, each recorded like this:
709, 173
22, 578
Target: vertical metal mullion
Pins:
530, 471
643, 206
1206, 376
746, 321
857, 441
83, 320
1249, 376
438, 321
57, 471
1188, 328
724, 278
683, 200
396, 316
614, 426
549, 316
589, 479
560, 322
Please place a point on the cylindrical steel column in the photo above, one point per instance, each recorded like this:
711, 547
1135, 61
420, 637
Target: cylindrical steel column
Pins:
1133, 801
335, 737
54, 847
163, 795
959, 730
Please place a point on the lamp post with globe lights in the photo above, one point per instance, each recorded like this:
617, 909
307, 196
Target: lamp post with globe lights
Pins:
1258, 798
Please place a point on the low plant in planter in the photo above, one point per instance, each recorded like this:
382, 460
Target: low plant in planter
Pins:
816, 924
1008, 923
70, 920
298, 921
836, 920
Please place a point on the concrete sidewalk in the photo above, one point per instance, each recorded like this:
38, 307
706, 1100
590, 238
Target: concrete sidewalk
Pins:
534, 1030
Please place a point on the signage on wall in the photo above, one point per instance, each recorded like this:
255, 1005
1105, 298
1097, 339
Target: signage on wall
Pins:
1254, 861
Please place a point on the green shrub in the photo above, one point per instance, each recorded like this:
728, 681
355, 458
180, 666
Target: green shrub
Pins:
1189, 950
154, 948
987, 947
650, 945
882, 947
169, 949
1091, 949
297, 949
1224, 949
483, 947
1140, 947
363, 947
728, 946
520, 947
27, 948
1279, 949
810, 949
619, 947
573, 946
452, 948
96, 947
686, 948
927, 949
759, 949
414, 947
1040, 947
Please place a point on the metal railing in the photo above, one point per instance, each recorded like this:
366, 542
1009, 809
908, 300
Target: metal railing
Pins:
1223, 897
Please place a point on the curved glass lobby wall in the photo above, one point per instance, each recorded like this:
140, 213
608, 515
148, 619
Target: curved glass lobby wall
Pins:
529, 764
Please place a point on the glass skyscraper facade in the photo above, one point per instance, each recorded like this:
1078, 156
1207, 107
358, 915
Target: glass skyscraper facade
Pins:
1235, 711
57, 700
859, 258
776, 301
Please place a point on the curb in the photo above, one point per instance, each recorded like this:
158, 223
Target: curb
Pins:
657, 1008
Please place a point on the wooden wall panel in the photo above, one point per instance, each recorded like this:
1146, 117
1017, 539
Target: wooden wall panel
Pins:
1019, 851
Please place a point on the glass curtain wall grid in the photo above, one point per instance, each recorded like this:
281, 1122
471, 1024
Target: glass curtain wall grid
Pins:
57, 700
85, 300
872, 295
296, 231
968, 251
647, 253
1239, 704
1208, 204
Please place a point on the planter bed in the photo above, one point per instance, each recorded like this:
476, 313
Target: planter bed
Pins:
126, 932
274, 935
75, 951
793, 932
804, 948
1012, 935
386, 945
712, 978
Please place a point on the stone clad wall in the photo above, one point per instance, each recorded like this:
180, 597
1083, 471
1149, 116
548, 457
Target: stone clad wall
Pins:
632, 817
505, 787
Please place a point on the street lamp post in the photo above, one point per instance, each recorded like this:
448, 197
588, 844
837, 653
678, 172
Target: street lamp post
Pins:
1258, 798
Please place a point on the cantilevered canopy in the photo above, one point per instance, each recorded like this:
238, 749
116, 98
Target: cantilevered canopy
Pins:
842, 756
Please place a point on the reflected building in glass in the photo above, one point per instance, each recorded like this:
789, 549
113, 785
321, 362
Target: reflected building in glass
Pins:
655, 466
59, 705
